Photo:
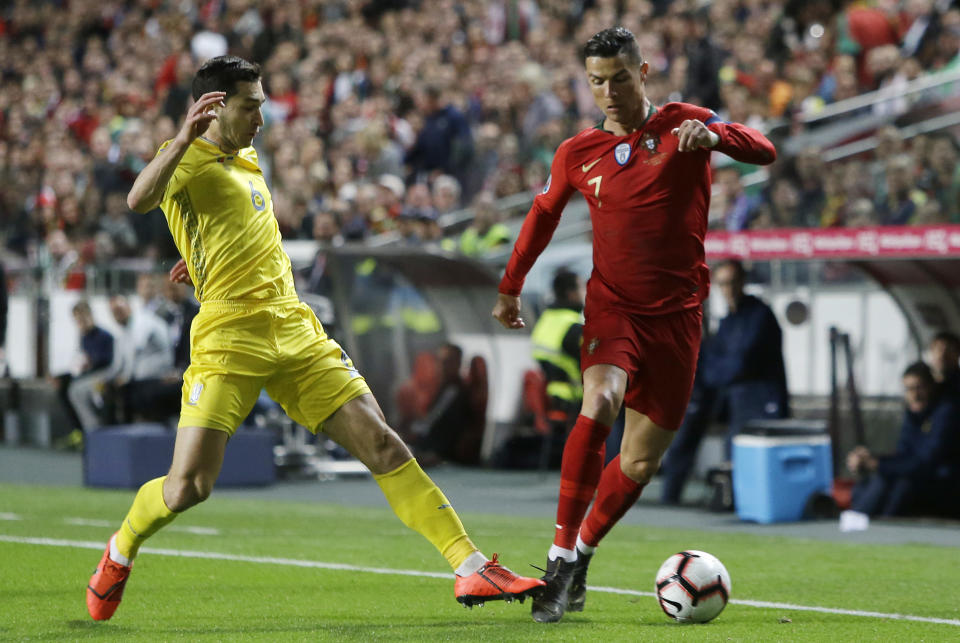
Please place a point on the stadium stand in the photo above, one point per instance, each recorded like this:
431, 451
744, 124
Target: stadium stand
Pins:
859, 96
359, 93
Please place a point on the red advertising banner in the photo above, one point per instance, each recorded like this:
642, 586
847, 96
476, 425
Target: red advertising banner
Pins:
936, 241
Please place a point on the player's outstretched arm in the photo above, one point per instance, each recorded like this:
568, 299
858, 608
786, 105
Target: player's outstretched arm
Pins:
507, 311
147, 190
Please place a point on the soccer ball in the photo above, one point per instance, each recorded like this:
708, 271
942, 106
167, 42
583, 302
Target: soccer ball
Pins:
693, 586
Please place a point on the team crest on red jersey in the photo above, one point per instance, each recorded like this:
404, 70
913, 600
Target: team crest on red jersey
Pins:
651, 143
592, 346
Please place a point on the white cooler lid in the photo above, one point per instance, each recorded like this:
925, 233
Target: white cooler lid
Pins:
768, 441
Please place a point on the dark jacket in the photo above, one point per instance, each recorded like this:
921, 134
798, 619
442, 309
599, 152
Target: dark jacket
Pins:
929, 444
444, 143
745, 358
97, 345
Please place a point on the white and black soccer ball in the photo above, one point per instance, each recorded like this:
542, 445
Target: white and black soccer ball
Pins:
693, 586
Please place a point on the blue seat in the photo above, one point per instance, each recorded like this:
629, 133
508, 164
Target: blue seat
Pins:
126, 456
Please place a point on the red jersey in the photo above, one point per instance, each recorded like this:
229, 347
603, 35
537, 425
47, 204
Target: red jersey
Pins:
648, 206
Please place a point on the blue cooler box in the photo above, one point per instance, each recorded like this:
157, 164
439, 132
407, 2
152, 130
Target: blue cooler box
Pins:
777, 466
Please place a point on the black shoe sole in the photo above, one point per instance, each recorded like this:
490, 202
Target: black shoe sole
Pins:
469, 600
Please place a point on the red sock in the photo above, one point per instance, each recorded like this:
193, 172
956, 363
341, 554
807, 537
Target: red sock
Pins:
579, 474
615, 495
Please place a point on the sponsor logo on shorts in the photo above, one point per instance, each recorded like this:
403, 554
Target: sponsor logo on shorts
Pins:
444, 506
195, 394
592, 346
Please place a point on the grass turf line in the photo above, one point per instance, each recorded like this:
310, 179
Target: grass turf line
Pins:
194, 599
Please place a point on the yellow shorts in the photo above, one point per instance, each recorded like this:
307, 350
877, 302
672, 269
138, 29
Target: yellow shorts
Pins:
239, 348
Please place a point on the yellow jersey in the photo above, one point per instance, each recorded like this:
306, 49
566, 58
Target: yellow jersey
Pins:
221, 217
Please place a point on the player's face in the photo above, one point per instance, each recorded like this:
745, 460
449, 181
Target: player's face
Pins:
617, 86
241, 118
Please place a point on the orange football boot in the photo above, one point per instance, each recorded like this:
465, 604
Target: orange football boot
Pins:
494, 582
106, 587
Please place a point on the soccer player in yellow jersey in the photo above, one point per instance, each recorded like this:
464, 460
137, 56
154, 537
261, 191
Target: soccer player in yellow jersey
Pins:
253, 332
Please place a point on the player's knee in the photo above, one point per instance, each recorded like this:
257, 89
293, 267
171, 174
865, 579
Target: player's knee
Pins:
640, 471
387, 451
602, 404
181, 493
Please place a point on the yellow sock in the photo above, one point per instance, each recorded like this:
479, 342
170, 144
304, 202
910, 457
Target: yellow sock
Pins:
420, 504
147, 515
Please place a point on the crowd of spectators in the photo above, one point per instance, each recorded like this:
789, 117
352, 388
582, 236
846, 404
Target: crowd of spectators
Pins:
385, 114
133, 369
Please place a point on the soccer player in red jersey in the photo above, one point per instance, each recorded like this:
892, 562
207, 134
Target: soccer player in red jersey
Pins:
645, 173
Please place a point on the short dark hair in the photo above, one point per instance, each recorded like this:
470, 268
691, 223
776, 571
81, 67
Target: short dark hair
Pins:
947, 337
613, 42
221, 74
921, 370
564, 280
81, 306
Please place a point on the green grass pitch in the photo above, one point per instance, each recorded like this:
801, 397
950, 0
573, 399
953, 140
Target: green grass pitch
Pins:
195, 599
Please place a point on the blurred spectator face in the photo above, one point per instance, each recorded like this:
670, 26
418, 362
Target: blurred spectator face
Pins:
120, 309
861, 213
944, 357
899, 175
916, 393
100, 143
58, 244
883, 61
70, 211
429, 100
728, 181
943, 155
418, 196
147, 287
116, 205
730, 282
241, 118
485, 212
856, 180
366, 198
325, 227
446, 193
785, 196
408, 226
83, 317
617, 87
809, 166
889, 142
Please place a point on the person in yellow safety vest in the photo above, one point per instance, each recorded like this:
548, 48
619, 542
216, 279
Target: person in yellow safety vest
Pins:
556, 339
486, 232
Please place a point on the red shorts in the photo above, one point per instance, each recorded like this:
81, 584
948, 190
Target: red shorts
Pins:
658, 352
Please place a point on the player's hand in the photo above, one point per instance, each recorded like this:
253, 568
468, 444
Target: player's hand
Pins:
200, 115
179, 273
507, 311
860, 459
694, 135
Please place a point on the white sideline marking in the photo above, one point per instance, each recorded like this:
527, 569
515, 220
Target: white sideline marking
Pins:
4, 515
89, 522
792, 606
293, 562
